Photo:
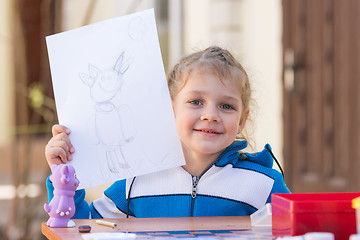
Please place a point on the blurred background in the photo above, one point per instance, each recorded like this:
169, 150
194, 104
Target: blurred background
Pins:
302, 56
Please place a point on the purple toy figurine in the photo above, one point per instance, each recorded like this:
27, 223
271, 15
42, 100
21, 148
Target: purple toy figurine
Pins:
62, 206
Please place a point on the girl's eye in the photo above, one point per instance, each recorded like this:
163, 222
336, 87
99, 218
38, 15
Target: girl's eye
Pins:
226, 107
195, 102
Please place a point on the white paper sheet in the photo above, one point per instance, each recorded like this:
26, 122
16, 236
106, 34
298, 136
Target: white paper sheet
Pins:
108, 236
110, 90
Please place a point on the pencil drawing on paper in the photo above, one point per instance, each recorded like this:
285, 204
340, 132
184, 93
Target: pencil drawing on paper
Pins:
113, 124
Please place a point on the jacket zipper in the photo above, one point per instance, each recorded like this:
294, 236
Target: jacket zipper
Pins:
194, 187
195, 181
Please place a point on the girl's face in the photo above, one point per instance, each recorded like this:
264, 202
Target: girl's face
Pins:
208, 113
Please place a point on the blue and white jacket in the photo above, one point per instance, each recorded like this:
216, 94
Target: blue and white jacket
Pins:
235, 184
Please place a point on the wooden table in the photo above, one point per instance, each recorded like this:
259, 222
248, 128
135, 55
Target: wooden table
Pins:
147, 228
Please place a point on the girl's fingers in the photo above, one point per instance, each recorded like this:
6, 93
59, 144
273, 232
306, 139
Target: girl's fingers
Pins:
55, 155
61, 142
57, 129
59, 149
64, 138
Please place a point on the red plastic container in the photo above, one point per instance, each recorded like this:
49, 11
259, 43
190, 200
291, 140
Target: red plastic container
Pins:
298, 213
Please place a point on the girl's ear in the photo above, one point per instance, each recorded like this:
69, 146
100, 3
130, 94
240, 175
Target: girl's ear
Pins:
243, 119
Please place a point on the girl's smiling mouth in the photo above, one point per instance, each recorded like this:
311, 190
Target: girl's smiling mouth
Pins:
207, 131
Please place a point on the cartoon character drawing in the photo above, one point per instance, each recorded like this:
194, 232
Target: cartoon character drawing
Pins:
104, 86
62, 207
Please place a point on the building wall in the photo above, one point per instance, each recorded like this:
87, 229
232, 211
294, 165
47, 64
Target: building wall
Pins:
209, 22
263, 45
6, 72
77, 13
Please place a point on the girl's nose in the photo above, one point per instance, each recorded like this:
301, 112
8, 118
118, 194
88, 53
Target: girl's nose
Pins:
210, 113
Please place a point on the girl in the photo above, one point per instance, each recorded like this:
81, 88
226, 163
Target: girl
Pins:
210, 93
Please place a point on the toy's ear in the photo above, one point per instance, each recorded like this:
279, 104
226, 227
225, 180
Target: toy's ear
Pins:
64, 174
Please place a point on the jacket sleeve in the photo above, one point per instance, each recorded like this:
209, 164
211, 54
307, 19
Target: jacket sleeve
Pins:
113, 204
81, 206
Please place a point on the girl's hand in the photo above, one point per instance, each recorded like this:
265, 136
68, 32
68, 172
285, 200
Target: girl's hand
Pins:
59, 148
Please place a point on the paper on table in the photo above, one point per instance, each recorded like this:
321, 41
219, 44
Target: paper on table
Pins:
110, 90
108, 236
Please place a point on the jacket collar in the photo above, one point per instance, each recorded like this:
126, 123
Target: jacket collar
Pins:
232, 155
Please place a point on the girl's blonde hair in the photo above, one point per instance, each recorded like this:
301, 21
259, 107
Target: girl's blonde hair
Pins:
216, 59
